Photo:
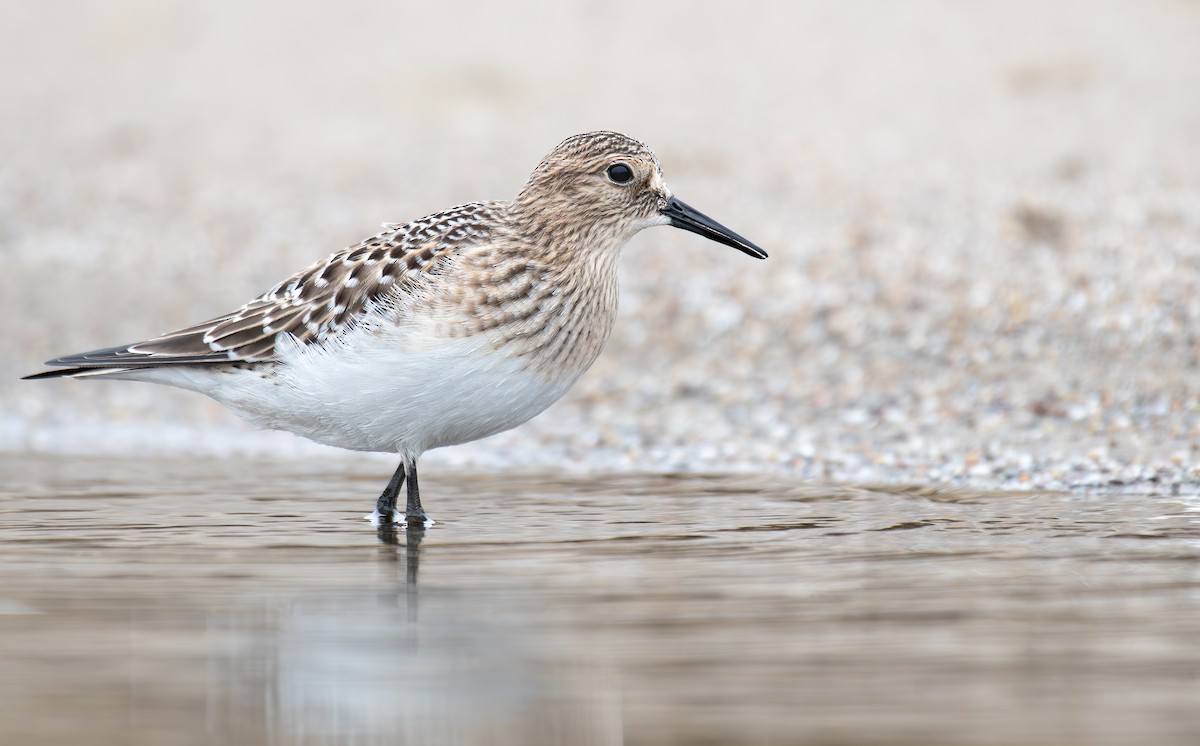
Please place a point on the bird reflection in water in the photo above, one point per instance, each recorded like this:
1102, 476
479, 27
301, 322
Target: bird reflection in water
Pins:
414, 533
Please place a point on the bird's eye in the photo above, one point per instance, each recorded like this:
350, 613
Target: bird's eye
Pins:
620, 173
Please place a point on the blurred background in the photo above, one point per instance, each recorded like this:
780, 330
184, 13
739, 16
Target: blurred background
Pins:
983, 218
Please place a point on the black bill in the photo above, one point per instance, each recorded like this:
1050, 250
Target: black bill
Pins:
690, 219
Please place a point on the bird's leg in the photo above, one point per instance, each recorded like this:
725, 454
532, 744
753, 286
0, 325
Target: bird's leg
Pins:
386, 506
414, 513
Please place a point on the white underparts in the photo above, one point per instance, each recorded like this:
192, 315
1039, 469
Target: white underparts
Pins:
378, 387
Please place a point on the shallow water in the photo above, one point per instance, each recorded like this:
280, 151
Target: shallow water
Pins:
240, 602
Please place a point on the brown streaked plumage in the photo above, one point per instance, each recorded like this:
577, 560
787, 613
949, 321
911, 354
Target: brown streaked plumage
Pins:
439, 331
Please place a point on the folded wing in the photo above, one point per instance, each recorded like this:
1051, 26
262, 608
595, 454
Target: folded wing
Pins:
312, 305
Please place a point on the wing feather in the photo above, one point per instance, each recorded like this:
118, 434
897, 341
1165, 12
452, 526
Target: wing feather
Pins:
319, 301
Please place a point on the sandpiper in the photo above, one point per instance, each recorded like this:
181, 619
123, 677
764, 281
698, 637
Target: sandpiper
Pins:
441, 331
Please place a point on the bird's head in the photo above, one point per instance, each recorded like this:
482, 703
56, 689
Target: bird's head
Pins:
607, 183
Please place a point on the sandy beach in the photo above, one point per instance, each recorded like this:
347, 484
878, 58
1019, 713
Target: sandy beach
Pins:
983, 219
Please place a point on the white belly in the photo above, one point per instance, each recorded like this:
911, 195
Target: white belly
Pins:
381, 391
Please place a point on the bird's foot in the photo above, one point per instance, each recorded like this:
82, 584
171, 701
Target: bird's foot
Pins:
376, 518
418, 519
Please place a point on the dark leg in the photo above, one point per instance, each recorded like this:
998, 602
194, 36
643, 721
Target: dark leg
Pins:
414, 513
386, 505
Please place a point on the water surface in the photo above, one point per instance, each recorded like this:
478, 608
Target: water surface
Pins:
230, 602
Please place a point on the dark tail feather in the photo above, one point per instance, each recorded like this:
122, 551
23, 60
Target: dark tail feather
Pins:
92, 370
60, 373
119, 360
